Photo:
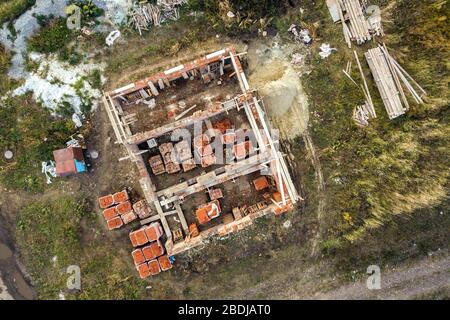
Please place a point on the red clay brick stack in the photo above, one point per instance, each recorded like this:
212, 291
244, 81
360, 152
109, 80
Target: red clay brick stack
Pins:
142, 209
204, 150
148, 255
117, 209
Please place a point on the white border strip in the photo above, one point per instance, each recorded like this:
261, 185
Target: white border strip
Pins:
130, 86
175, 69
215, 54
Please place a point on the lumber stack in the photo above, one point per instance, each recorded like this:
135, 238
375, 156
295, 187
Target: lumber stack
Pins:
143, 15
389, 77
355, 25
367, 111
362, 114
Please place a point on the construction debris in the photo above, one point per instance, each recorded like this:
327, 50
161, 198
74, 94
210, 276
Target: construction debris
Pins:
389, 76
362, 115
374, 20
355, 26
185, 112
326, 50
143, 15
73, 143
367, 111
300, 35
77, 120
112, 36
48, 168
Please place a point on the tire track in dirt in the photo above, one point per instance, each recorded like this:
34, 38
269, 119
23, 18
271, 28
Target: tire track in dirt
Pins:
311, 149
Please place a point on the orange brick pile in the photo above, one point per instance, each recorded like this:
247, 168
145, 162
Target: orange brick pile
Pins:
142, 209
117, 209
261, 183
208, 211
148, 255
204, 150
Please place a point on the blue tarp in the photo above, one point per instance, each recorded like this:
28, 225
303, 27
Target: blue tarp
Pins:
80, 166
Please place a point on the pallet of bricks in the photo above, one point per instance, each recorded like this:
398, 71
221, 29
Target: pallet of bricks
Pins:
169, 157
148, 255
117, 209
204, 150
184, 155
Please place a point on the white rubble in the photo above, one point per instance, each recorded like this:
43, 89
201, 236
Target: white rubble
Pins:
26, 25
77, 120
54, 82
49, 169
326, 50
112, 36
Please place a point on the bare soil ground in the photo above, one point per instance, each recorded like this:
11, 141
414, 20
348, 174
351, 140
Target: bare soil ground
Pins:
424, 278
411, 280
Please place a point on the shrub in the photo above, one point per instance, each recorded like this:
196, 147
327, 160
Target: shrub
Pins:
52, 38
11, 9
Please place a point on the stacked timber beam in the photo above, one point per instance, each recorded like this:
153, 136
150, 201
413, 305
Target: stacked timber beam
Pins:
355, 26
363, 113
389, 76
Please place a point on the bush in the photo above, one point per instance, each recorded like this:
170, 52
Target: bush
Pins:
249, 14
51, 38
95, 79
11, 9
5, 61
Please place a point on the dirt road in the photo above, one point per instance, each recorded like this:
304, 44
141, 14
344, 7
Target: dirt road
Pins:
422, 279
428, 278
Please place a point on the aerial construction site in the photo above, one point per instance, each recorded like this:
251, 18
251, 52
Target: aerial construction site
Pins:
232, 149
195, 131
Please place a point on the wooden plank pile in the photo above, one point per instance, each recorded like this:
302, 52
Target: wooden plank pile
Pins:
143, 15
354, 23
361, 115
389, 77
365, 112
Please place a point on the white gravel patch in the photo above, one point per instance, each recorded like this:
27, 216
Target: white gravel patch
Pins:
26, 25
54, 82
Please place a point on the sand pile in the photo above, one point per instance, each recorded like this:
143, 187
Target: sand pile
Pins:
279, 84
